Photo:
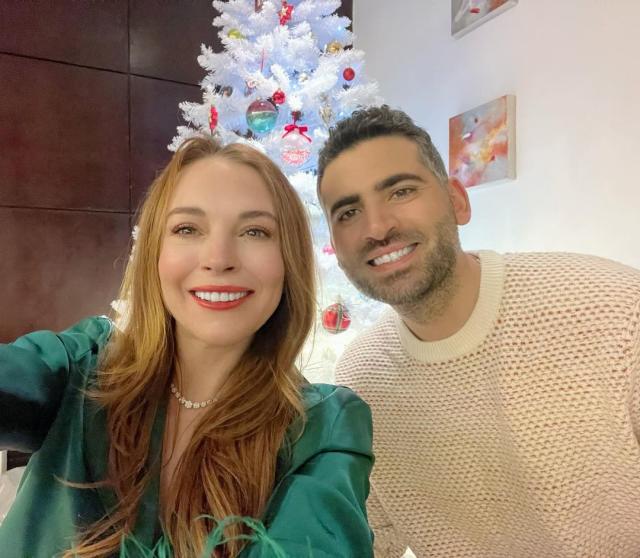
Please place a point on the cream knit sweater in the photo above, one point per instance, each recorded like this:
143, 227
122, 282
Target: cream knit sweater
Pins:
519, 435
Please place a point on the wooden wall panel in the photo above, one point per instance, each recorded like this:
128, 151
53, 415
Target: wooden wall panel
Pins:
154, 117
346, 9
167, 44
90, 33
64, 136
58, 266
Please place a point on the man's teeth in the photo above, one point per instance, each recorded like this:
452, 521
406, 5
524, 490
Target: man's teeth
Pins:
220, 297
393, 256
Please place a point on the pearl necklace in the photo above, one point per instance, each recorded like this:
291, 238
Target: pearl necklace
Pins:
187, 403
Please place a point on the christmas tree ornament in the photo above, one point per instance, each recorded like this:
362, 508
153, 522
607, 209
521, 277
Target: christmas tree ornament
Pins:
235, 34
349, 74
279, 97
213, 119
295, 145
286, 12
335, 318
334, 47
258, 5
303, 77
250, 86
295, 149
226, 91
326, 113
328, 250
261, 116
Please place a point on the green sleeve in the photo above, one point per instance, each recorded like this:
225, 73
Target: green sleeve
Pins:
318, 511
34, 373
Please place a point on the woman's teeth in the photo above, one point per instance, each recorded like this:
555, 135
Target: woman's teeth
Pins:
220, 297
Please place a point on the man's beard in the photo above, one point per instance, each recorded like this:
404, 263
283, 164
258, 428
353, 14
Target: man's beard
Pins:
434, 275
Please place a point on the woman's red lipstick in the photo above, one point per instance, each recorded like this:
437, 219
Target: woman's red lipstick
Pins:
213, 297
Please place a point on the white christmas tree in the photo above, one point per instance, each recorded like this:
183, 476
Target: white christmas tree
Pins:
286, 75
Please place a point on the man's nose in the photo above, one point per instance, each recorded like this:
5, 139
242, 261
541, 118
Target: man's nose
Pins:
379, 222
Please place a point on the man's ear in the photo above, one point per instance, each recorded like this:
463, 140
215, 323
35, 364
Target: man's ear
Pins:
459, 201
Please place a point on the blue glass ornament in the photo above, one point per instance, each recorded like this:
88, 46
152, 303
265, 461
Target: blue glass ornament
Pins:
262, 116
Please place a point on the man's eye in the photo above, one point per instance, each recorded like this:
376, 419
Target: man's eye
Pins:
348, 214
402, 192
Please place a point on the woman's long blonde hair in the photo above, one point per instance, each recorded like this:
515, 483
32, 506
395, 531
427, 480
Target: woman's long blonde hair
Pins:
229, 465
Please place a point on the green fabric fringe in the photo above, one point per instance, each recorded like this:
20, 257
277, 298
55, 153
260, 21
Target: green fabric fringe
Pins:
163, 549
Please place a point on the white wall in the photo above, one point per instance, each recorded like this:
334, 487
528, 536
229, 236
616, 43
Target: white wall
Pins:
574, 66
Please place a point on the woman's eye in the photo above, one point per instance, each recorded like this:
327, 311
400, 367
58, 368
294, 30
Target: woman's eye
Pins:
257, 233
184, 230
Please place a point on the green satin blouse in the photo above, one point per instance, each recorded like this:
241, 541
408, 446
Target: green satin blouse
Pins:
317, 507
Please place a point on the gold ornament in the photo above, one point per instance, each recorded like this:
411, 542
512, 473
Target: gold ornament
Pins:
235, 34
303, 77
334, 47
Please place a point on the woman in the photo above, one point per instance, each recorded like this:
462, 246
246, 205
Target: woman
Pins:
152, 439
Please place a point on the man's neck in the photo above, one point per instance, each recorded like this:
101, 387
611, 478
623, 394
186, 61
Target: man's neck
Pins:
445, 311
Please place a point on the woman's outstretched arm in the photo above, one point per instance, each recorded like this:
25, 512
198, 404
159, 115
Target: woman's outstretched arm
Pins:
35, 371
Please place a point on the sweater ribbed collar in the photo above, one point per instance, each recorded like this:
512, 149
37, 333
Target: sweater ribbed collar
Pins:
476, 328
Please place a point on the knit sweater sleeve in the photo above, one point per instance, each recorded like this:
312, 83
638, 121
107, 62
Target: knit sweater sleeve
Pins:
634, 370
387, 542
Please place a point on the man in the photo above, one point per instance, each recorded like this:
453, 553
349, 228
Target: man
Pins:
505, 389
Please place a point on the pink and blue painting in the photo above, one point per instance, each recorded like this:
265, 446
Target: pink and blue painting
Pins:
469, 14
482, 143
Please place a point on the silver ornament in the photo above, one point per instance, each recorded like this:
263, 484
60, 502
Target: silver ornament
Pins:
326, 113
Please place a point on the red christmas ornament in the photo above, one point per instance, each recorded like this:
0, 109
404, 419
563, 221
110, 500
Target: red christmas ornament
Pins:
475, 10
285, 13
349, 74
278, 97
328, 250
335, 318
213, 119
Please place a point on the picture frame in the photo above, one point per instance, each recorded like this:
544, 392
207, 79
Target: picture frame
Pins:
482, 143
466, 15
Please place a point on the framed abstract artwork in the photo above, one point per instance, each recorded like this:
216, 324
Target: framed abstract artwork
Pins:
482, 143
469, 14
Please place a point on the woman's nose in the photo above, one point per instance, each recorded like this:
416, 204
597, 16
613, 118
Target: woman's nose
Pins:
219, 254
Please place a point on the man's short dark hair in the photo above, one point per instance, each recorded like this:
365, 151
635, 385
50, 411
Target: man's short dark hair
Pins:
377, 122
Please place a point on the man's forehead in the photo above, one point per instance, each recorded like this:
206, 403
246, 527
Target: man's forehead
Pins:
368, 162
383, 148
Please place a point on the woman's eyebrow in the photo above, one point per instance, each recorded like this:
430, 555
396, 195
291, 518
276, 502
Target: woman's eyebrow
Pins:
188, 210
252, 214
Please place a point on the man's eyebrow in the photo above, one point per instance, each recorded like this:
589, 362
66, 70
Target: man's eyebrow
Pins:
379, 187
394, 179
347, 200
